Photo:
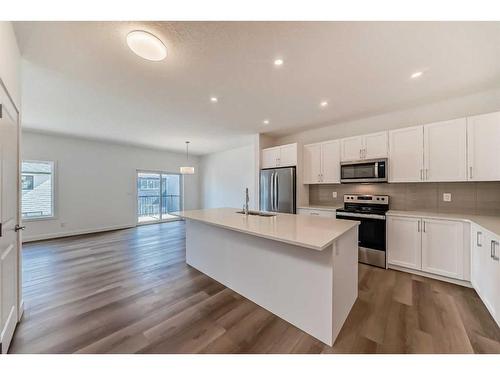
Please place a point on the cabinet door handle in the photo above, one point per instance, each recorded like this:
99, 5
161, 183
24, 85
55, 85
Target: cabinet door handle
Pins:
470, 171
426, 174
479, 244
424, 226
418, 226
360, 153
314, 214
493, 250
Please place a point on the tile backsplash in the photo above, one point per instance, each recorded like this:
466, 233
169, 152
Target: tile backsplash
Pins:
466, 197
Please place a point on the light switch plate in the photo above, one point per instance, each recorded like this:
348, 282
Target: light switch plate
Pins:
447, 197
334, 194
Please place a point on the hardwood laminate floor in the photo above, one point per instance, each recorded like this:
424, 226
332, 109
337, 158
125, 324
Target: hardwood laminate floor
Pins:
130, 291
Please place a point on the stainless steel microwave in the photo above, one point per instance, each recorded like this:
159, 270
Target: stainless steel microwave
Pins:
374, 170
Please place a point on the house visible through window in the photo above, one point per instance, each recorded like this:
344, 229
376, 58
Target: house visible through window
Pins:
37, 180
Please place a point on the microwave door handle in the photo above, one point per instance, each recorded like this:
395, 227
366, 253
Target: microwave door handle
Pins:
376, 169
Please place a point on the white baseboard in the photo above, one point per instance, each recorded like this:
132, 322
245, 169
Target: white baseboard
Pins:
431, 275
48, 236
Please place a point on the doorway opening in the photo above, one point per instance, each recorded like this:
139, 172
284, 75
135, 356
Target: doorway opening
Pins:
158, 195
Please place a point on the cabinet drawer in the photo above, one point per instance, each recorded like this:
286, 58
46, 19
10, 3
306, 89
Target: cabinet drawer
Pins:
313, 212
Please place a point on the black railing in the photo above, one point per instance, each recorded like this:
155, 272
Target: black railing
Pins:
150, 205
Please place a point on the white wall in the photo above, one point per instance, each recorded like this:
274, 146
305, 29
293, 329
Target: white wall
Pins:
10, 62
95, 182
482, 102
226, 174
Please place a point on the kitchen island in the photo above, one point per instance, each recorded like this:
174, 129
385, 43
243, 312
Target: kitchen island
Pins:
303, 269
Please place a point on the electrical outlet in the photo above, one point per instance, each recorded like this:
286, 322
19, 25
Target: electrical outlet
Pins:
447, 197
334, 194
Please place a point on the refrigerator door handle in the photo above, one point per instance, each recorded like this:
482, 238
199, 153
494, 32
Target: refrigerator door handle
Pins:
277, 193
272, 191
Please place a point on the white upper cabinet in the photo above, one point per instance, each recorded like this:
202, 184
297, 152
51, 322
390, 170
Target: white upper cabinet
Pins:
483, 143
406, 161
445, 151
312, 164
330, 162
270, 157
368, 146
375, 145
279, 156
288, 155
351, 148
443, 248
321, 163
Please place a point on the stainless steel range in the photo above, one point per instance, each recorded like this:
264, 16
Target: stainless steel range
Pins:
370, 211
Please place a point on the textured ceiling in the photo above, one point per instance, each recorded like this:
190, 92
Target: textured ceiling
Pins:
80, 78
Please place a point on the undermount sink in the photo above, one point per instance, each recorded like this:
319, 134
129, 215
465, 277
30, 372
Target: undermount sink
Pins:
257, 213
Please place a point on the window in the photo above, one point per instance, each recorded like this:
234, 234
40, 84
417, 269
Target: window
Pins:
37, 181
158, 194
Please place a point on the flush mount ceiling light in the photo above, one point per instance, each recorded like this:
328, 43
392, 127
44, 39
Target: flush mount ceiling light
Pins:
416, 75
278, 62
214, 99
187, 170
146, 45
265, 122
324, 103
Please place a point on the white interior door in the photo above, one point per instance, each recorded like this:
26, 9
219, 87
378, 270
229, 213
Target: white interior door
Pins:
9, 218
445, 150
406, 151
330, 162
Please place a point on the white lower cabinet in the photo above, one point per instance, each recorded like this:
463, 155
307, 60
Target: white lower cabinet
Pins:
434, 246
404, 241
443, 248
315, 212
485, 269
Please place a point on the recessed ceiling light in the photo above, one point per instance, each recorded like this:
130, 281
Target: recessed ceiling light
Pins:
146, 45
265, 122
324, 103
416, 75
214, 99
278, 62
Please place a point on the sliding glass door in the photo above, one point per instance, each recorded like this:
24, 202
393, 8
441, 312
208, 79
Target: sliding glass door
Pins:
158, 194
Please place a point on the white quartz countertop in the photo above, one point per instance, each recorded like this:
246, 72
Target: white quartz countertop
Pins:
311, 232
321, 207
491, 223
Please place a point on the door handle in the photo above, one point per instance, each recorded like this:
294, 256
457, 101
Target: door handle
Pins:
479, 244
423, 222
17, 228
470, 171
493, 250
426, 174
418, 226
421, 174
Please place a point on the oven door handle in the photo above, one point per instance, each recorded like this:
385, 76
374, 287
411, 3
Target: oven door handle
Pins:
361, 216
376, 169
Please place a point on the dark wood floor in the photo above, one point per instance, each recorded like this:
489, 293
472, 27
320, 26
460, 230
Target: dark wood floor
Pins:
131, 291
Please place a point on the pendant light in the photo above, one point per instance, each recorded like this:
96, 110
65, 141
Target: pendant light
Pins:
187, 170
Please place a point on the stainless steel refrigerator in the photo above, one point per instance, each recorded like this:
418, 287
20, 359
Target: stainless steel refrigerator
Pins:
277, 190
